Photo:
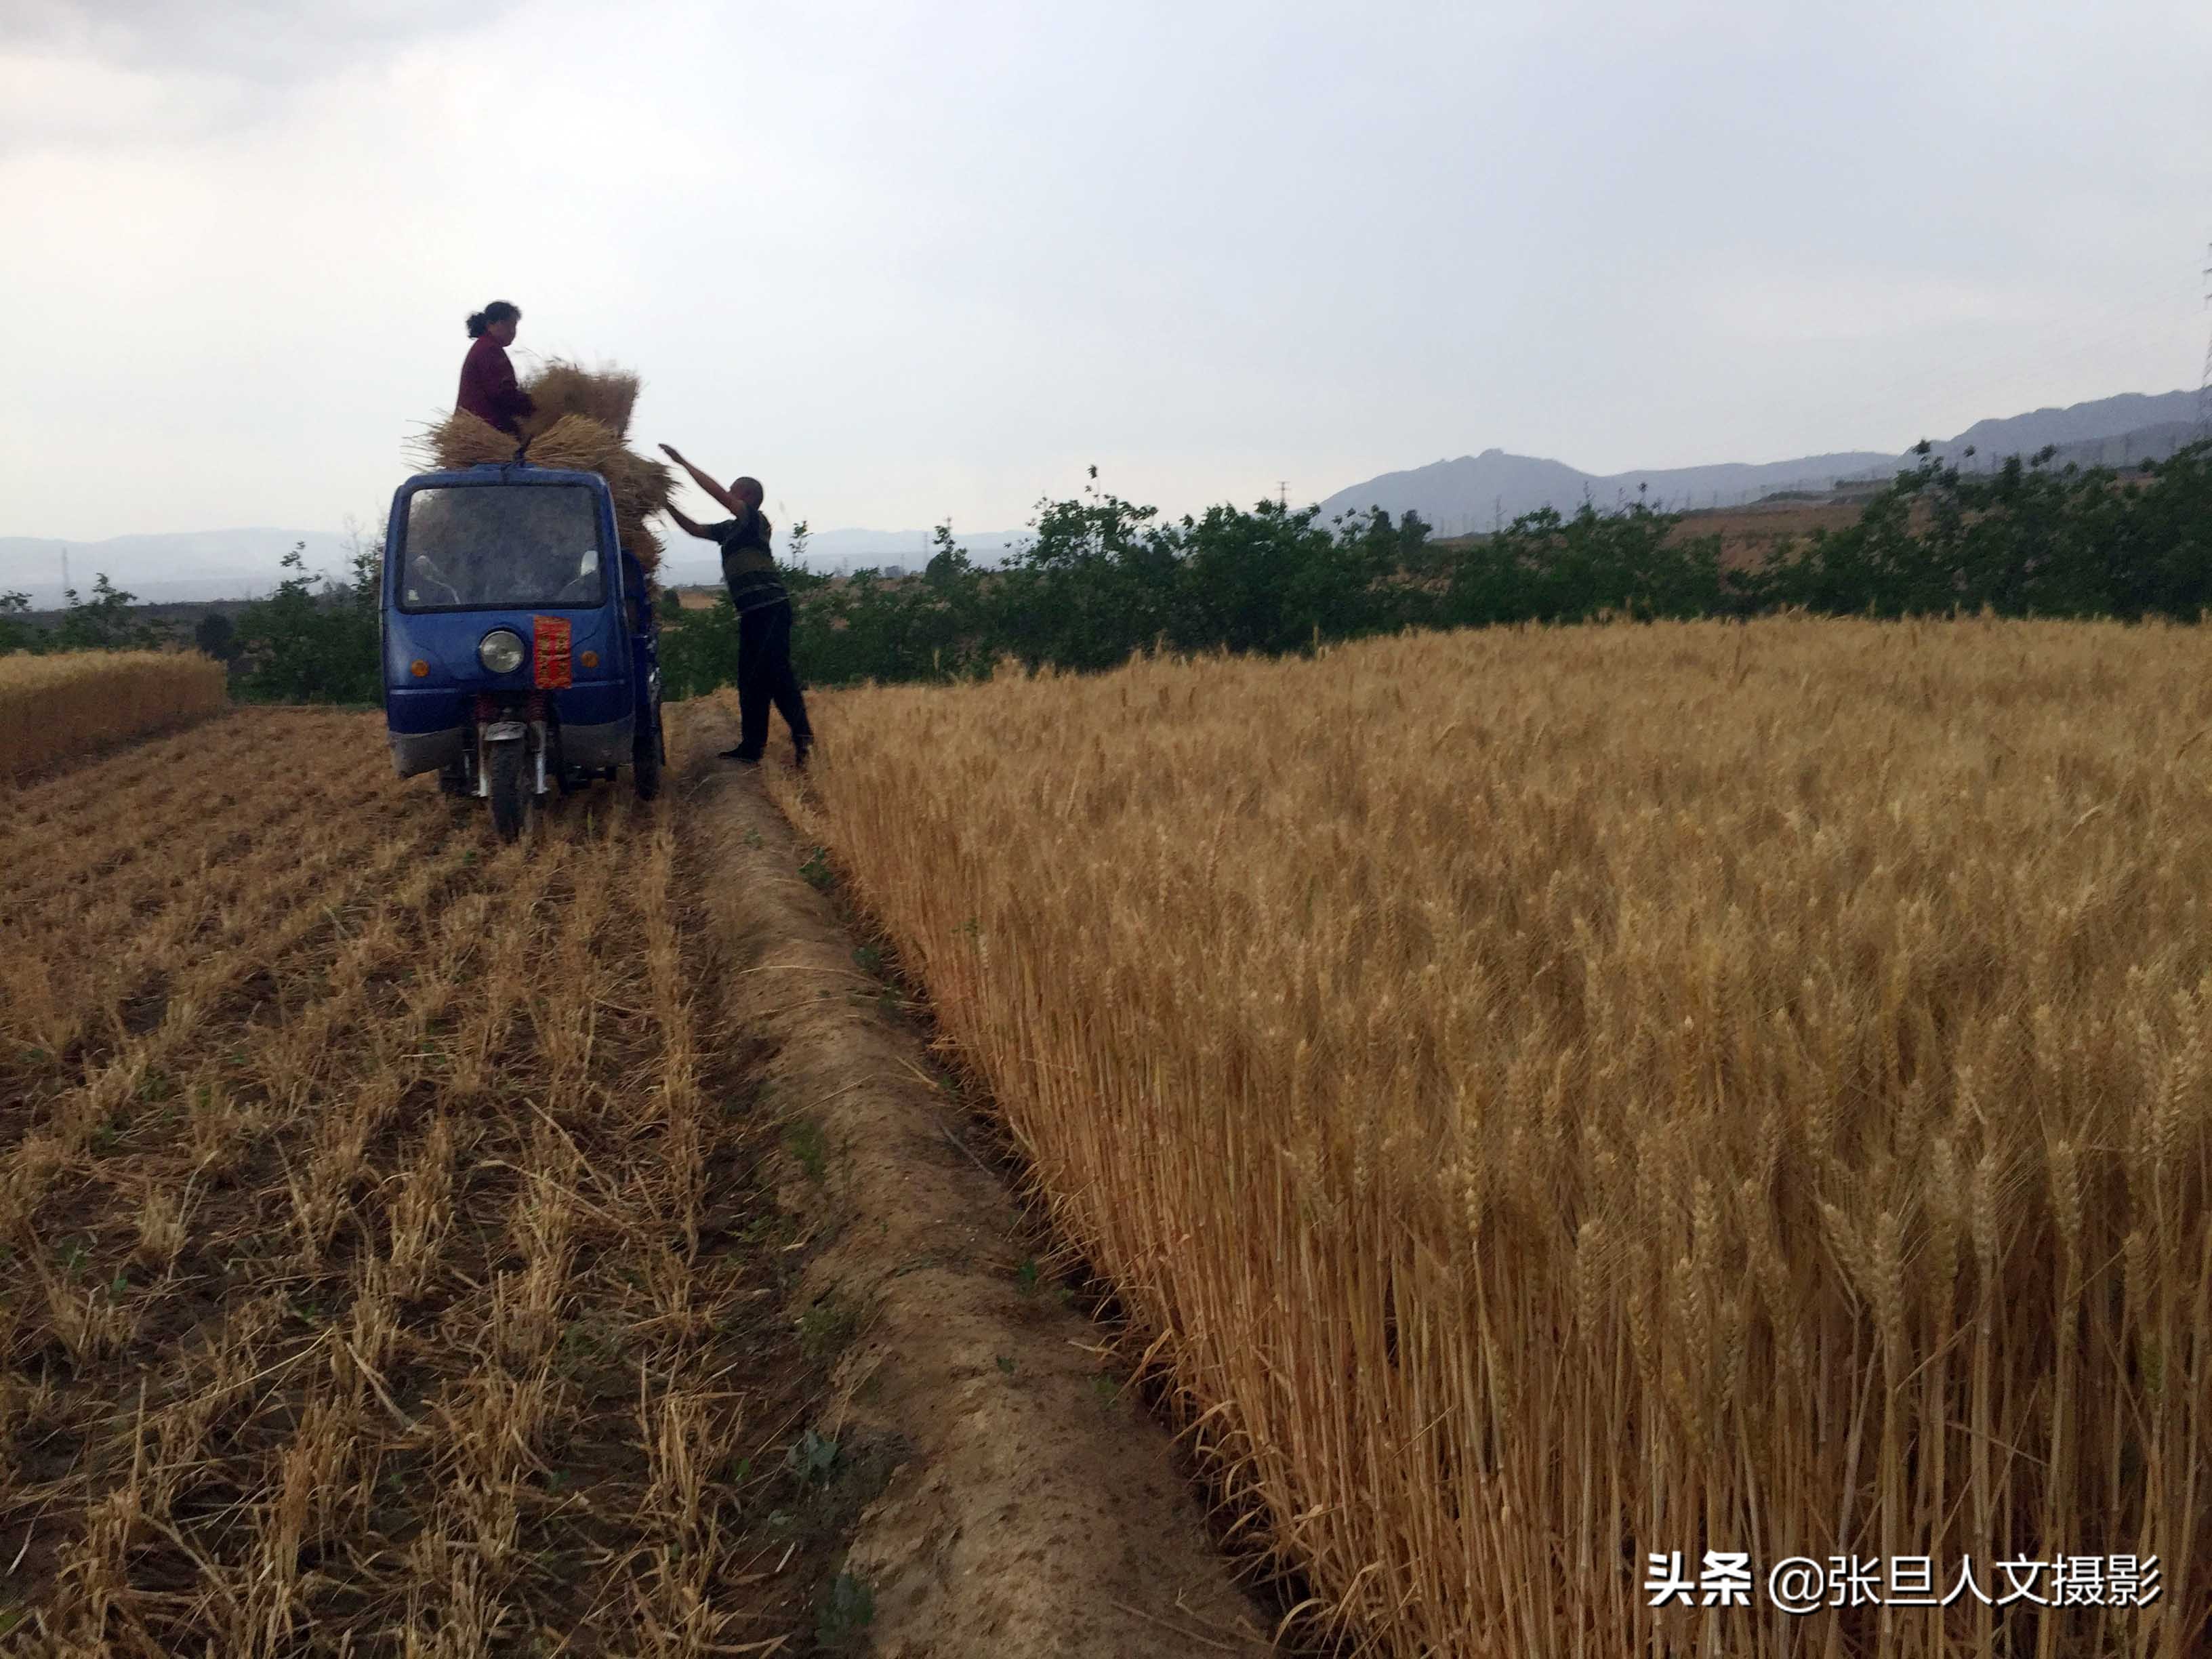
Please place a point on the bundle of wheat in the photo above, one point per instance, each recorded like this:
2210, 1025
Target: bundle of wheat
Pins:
576, 441
642, 489
644, 546
578, 421
561, 388
461, 439
647, 486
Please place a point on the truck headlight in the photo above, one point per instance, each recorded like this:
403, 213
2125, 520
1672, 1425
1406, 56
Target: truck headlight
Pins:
502, 650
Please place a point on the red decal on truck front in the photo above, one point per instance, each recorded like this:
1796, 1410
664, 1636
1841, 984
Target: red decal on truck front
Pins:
550, 636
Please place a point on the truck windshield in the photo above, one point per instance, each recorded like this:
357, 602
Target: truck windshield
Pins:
499, 547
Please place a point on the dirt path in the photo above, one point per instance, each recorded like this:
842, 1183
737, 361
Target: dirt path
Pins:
1027, 1507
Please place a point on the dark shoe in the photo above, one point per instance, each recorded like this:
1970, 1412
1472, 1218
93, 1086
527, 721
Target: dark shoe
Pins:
799, 753
741, 757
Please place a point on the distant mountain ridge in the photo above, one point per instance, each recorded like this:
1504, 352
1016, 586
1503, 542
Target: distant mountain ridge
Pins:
2079, 423
1476, 492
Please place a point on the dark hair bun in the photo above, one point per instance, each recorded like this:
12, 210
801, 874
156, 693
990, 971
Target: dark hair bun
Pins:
499, 311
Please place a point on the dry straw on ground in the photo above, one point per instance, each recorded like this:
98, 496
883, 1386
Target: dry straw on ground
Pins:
1558, 1096
55, 707
367, 1281
580, 420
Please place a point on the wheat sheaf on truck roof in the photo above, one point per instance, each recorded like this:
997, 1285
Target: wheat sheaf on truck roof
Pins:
581, 421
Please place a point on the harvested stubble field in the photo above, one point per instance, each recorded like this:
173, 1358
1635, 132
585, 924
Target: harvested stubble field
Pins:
1556, 1097
376, 1271
55, 707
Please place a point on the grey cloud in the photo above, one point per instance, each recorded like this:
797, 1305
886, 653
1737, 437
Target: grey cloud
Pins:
904, 259
268, 42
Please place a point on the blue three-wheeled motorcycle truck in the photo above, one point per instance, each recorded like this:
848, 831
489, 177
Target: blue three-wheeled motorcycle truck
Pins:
519, 646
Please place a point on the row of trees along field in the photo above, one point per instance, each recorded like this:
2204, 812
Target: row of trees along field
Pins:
1104, 577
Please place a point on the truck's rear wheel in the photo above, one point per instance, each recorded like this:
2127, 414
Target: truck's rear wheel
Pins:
646, 752
511, 794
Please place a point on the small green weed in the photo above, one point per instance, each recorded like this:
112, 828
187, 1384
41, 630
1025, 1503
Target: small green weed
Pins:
764, 1228
805, 1140
827, 1326
812, 1460
817, 869
847, 1608
586, 1341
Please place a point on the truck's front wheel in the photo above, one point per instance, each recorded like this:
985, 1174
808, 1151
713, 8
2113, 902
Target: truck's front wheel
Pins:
510, 793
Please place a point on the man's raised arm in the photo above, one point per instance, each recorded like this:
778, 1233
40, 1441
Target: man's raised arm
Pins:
736, 508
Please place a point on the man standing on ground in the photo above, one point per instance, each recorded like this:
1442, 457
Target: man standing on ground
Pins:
764, 672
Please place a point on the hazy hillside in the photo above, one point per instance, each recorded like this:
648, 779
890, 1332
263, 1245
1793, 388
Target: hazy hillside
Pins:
1476, 491
1473, 492
176, 568
193, 566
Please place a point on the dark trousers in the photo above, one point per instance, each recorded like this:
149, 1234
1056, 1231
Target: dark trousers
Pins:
765, 676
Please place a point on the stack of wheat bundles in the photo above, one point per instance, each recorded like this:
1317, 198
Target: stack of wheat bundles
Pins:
580, 419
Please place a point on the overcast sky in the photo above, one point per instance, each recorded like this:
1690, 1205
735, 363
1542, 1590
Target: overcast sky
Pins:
905, 262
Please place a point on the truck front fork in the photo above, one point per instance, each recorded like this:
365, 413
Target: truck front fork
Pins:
510, 719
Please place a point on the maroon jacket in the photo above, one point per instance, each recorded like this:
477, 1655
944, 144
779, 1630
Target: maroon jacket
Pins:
488, 388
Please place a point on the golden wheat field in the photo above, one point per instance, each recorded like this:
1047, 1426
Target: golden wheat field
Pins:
54, 706
1551, 1098
373, 1264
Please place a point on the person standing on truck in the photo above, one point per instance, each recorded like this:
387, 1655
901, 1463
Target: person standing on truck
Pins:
765, 675
488, 390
